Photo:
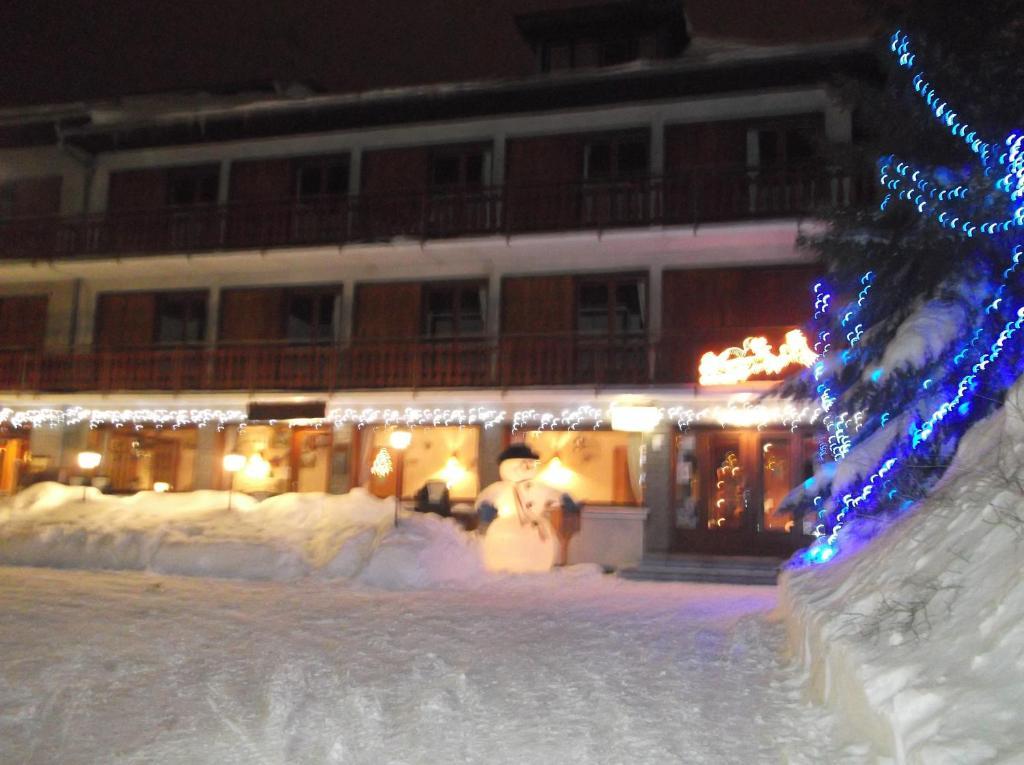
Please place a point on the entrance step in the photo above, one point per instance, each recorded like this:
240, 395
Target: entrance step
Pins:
711, 569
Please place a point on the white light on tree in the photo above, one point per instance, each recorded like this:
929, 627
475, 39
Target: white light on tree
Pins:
382, 465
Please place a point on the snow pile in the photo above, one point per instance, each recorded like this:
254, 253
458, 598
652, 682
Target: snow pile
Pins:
284, 537
917, 639
922, 336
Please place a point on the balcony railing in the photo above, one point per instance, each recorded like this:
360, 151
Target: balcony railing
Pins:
506, 362
703, 195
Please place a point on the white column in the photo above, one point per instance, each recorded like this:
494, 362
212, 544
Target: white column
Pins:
657, 159
224, 181
355, 170
345, 315
213, 315
206, 457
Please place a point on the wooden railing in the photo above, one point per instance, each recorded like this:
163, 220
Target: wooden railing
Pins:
508, 361
702, 195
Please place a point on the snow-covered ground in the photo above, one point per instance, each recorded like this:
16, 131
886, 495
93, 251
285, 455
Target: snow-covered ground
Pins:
312, 631
918, 638
568, 667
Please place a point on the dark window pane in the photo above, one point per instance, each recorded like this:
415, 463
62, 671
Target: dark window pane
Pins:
471, 311
628, 308
337, 179
599, 161
300, 317
208, 189
474, 169
768, 147
799, 145
592, 315
309, 181
445, 171
616, 52
559, 58
633, 159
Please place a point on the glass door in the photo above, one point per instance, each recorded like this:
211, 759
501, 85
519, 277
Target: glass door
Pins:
729, 489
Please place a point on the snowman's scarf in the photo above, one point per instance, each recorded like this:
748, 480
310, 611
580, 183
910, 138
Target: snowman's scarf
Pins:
525, 515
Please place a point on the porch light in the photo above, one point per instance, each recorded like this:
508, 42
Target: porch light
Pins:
256, 468
232, 464
399, 440
88, 461
161, 486
452, 472
635, 419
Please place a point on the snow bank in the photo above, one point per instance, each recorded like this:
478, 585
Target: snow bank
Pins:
922, 336
284, 537
917, 639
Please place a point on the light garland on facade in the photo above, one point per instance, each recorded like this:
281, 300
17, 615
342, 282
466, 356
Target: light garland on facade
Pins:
731, 414
754, 357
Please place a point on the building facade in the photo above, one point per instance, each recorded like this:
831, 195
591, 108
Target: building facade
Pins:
287, 276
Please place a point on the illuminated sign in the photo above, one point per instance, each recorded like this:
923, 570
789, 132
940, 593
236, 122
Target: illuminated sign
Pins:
754, 357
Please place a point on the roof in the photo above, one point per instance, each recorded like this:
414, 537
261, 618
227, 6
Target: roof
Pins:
54, 51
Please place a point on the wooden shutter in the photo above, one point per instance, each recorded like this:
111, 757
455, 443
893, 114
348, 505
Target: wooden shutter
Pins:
542, 178
537, 305
395, 170
252, 314
705, 143
125, 319
388, 310
36, 196
23, 321
262, 180
137, 189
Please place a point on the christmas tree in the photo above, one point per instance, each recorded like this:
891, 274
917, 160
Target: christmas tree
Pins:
919, 315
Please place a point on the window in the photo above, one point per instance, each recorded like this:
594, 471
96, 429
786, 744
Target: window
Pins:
455, 169
616, 158
615, 52
193, 185
309, 316
610, 305
599, 467
321, 177
180, 318
789, 142
454, 310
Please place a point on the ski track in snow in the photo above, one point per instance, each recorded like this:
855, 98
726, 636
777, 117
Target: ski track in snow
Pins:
130, 667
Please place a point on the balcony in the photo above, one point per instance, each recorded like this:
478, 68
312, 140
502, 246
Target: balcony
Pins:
707, 195
483, 362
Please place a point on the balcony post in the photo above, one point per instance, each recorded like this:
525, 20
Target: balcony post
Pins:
654, 329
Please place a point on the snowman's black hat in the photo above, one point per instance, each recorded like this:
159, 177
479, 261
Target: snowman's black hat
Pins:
518, 451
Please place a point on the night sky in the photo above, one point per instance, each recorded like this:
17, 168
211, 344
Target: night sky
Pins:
72, 50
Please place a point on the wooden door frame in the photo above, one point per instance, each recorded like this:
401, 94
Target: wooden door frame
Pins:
750, 539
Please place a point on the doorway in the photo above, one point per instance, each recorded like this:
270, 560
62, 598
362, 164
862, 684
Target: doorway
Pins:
729, 486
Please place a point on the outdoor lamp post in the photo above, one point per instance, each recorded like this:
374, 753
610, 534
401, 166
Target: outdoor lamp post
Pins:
399, 440
88, 461
232, 464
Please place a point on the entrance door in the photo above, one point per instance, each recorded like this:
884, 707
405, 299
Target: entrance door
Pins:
729, 486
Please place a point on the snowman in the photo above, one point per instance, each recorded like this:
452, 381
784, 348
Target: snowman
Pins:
520, 536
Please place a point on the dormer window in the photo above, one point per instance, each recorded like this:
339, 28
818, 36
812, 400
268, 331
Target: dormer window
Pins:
606, 35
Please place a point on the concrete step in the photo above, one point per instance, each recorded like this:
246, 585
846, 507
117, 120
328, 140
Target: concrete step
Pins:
718, 569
